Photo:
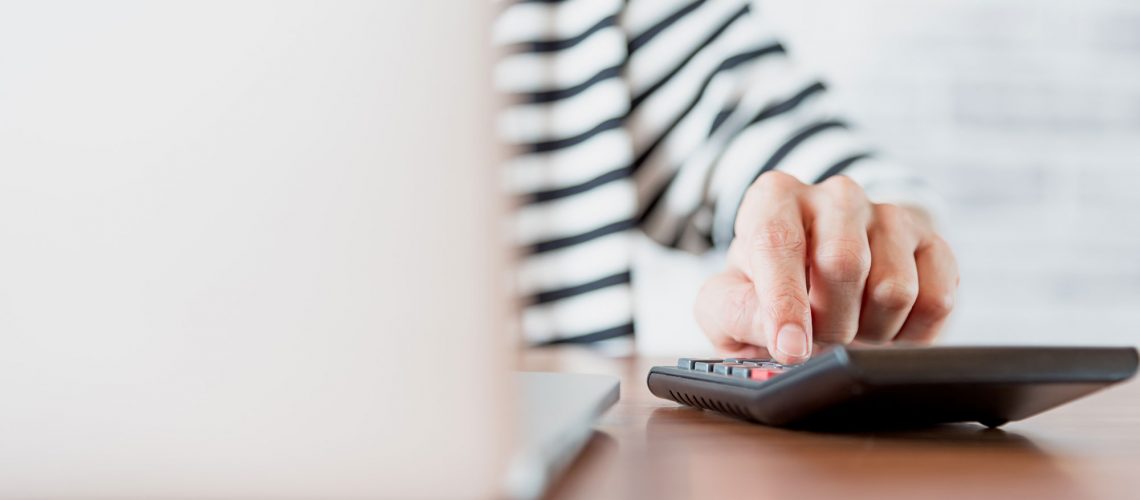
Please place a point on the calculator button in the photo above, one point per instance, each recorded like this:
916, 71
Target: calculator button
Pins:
690, 364
762, 374
742, 371
704, 366
726, 368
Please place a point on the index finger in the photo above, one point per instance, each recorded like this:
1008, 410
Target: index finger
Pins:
772, 227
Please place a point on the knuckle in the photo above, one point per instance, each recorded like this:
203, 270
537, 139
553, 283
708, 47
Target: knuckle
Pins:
787, 305
939, 242
840, 182
843, 191
774, 180
935, 305
894, 294
843, 261
891, 216
777, 237
943, 248
945, 254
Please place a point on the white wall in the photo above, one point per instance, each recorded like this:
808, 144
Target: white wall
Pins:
1026, 116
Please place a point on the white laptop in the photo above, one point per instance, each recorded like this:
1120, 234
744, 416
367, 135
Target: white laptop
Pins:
252, 249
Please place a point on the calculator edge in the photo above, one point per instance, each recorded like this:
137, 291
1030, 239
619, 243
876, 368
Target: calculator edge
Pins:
777, 402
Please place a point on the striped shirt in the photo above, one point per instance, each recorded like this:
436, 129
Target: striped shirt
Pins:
652, 116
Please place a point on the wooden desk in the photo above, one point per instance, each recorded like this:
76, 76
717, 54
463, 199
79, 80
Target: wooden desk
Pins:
651, 448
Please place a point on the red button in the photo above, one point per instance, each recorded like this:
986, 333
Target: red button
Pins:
761, 374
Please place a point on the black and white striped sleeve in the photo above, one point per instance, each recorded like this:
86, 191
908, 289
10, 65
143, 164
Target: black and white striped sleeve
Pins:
717, 102
561, 70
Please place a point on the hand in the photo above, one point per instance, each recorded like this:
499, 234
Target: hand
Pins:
822, 264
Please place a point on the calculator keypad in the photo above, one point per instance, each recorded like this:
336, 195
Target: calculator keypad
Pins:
743, 368
690, 364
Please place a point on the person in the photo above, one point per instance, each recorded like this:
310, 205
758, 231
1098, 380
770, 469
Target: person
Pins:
686, 120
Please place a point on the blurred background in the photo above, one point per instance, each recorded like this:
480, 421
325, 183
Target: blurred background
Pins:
1024, 115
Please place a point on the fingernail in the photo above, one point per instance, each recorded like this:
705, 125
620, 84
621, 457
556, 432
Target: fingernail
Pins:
792, 340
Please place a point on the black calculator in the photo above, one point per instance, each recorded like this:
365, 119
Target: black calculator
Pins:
859, 388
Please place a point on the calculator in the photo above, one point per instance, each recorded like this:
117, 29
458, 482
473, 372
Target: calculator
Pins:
861, 388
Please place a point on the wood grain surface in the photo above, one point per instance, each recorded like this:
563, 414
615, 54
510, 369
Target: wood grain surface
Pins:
646, 447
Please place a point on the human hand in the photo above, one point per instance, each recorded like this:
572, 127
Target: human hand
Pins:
821, 264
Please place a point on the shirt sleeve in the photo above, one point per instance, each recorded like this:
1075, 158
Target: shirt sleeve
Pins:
727, 109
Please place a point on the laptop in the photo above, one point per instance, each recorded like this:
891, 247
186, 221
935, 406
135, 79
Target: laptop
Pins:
255, 249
